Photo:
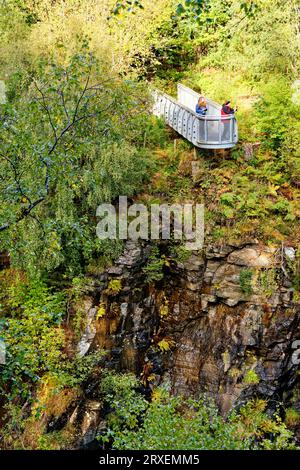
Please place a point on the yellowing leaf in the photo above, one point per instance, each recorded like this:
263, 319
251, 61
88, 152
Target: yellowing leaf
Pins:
101, 312
156, 395
164, 310
272, 189
166, 344
151, 377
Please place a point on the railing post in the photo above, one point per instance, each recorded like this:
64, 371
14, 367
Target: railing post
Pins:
164, 108
169, 106
173, 111
220, 130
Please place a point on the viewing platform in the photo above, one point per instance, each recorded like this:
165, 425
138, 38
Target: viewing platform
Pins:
211, 131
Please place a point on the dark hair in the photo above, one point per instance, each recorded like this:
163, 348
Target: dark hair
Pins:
227, 102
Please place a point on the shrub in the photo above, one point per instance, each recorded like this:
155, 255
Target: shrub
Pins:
251, 377
154, 268
114, 286
246, 281
169, 422
34, 337
292, 417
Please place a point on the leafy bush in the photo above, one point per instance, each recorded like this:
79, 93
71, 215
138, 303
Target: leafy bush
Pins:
174, 423
276, 112
246, 281
126, 405
114, 286
292, 417
34, 337
33, 333
251, 377
154, 268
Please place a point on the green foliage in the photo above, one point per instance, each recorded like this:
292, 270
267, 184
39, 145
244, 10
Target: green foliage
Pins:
75, 293
26, 428
78, 369
33, 336
32, 330
267, 282
154, 268
292, 417
182, 254
267, 433
15, 422
75, 132
156, 134
174, 423
126, 404
251, 377
242, 198
57, 440
128, 5
246, 281
50, 166
114, 286
276, 113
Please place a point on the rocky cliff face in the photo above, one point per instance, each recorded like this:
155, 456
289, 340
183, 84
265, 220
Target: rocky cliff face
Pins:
221, 322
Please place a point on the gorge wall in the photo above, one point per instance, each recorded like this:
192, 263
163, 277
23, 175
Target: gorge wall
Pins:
222, 322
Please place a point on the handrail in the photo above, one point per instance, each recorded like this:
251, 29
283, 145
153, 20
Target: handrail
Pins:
206, 117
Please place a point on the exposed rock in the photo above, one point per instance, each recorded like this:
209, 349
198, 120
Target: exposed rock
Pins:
194, 263
194, 286
218, 252
115, 270
252, 257
210, 270
220, 332
206, 299
251, 329
290, 253
90, 329
131, 255
226, 285
90, 421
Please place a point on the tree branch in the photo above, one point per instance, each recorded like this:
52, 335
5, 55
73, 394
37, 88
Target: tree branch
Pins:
26, 211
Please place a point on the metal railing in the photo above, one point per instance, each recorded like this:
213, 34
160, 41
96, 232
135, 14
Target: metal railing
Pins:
212, 131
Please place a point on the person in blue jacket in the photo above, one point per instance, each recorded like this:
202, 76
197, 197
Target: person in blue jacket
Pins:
201, 108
